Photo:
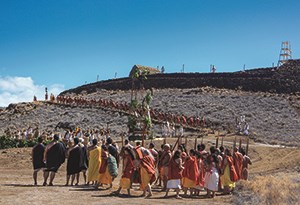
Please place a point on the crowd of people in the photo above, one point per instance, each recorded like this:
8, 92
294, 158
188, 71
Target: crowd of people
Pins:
169, 167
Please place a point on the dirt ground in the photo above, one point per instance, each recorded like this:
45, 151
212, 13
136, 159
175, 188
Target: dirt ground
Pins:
16, 183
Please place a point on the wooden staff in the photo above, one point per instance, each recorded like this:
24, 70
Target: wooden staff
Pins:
222, 141
165, 140
240, 144
195, 145
234, 143
202, 140
217, 142
185, 142
122, 137
247, 146
175, 144
143, 138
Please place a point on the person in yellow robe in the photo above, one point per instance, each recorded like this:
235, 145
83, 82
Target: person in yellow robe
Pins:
94, 155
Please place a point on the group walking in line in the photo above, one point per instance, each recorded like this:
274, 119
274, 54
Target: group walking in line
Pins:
193, 171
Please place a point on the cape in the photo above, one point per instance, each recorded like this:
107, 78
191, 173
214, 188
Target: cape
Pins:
74, 159
191, 170
55, 155
112, 166
37, 156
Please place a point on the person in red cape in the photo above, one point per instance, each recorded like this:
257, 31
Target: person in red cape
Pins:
175, 174
128, 168
190, 173
238, 162
147, 170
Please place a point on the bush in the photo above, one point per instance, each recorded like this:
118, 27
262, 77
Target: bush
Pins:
8, 142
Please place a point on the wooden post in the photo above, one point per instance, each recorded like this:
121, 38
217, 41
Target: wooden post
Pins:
247, 146
175, 143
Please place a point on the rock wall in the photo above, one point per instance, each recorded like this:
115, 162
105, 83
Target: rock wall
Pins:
285, 79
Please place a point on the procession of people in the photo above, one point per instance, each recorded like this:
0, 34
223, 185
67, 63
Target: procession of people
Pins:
193, 172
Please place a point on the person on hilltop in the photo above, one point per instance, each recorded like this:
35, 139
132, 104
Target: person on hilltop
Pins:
54, 157
37, 158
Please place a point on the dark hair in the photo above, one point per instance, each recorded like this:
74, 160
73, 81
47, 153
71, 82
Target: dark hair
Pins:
95, 141
221, 149
177, 154
201, 147
151, 145
40, 140
228, 152
129, 150
193, 152
212, 149
104, 147
137, 143
126, 141
242, 151
215, 158
109, 140
56, 137
76, 140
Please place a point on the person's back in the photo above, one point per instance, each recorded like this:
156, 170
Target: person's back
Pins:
37, 156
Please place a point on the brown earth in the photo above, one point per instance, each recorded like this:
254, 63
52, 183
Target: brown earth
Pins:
16, 180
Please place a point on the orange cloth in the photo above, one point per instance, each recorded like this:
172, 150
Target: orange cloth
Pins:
105, 178
190, 173
238, 163
200, 180
147, 171
233, 175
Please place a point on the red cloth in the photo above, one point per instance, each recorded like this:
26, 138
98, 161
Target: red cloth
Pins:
201, 176
191, 170
103, 165
148, 163
174, 171
128, 167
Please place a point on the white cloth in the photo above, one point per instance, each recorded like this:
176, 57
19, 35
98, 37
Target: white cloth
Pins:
211, 180
174, 184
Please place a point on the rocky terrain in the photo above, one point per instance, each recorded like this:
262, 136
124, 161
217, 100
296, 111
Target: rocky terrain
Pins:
271, 109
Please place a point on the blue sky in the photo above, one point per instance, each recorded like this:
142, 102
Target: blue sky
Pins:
64, 43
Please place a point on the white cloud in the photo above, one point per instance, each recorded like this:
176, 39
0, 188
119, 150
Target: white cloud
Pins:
22, 89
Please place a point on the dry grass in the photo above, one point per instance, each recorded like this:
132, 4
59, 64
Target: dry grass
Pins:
269, 190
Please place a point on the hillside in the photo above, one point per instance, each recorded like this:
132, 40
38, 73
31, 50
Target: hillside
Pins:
273, 116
